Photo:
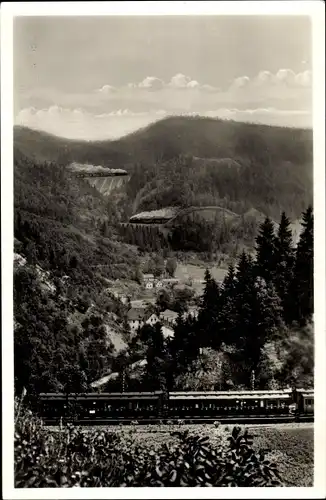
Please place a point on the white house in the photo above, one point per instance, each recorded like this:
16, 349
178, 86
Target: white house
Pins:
139, 317
149, 285
136, 318
148, 277
158, 284
168, 316
152, 320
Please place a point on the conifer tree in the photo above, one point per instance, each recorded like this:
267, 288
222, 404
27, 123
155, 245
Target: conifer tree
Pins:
265, 250
209, 316
284, 261
227, 313
302, 284
245, 293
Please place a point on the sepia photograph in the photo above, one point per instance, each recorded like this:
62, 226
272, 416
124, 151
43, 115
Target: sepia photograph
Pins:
162, 265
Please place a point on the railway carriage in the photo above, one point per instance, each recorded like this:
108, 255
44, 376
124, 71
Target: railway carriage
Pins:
196, 405
229, 404
304, 400
94, 406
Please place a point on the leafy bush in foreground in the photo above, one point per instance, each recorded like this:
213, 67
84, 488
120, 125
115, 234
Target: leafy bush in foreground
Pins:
74, 458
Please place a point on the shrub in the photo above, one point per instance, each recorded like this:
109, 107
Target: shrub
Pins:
92, 458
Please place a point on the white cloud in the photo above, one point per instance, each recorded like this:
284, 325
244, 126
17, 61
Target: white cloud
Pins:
151, 82
240, 82
193, 84
267, 80
263, 78
106, 89
179, 81
286, 76
304, 79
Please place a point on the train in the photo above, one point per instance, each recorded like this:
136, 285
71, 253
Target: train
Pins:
195, 406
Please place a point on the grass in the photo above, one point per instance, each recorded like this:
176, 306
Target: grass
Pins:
185, 271
293, 449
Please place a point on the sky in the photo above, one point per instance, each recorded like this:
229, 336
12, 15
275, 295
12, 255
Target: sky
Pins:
104, 77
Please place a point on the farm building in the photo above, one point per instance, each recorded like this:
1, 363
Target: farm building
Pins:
136, 318
148, 277
169, 316
139, 317
193, 311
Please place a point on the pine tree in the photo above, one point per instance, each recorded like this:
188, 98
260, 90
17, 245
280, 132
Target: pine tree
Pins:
245, 295
209, 315
284, 261
265, 250
227, 315
302, 283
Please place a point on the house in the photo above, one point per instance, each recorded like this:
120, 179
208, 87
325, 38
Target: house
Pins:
149, 285
136, 318
168, 317
158, 284
170, 281
139, 317
148, 277
152, 320
193, 311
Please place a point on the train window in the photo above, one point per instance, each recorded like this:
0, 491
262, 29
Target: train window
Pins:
262, 403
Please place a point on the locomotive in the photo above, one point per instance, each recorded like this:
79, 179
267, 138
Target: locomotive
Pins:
189, 406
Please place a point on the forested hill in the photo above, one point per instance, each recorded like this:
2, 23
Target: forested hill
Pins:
184, 161
174, 136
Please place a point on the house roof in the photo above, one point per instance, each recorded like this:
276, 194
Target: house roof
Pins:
134, 314
148, 276
169, 314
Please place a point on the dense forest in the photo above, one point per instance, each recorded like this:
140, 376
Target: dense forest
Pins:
195, 234
66, 255
258, 323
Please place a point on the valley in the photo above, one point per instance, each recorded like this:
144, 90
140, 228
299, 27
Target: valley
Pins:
121, 226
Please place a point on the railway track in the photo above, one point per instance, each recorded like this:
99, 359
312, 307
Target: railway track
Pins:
232, 420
